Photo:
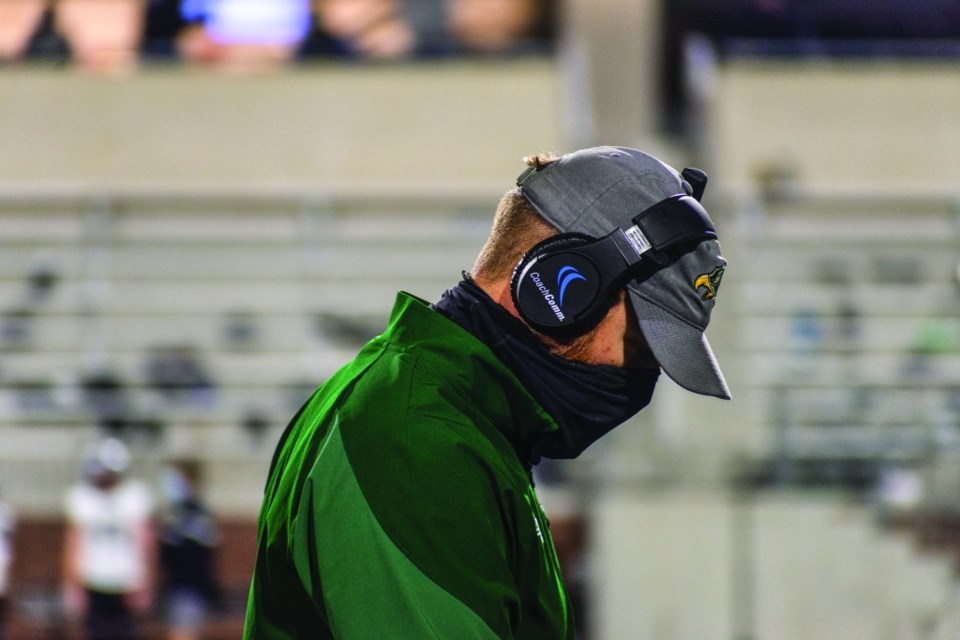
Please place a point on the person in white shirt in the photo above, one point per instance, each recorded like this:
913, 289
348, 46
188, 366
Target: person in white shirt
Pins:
109, 551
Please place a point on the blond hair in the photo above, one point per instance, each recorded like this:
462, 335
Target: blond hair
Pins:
517, 226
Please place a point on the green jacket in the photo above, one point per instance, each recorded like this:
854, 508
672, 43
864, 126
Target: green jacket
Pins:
399, 506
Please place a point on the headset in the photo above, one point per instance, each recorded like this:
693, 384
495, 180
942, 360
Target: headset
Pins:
563, 286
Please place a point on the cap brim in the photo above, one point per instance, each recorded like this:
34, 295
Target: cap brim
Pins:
681, 349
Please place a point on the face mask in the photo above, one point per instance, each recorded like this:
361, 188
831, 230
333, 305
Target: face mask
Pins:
586, 401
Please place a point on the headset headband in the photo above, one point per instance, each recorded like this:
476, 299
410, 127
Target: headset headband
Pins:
677, 220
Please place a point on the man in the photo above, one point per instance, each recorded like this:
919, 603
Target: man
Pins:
109, 549
399, 502
188, 541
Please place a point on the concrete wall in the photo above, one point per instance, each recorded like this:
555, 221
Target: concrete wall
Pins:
706, 567
322, 126
882, 126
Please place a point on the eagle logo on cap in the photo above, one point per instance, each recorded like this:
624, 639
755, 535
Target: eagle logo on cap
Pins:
710, 283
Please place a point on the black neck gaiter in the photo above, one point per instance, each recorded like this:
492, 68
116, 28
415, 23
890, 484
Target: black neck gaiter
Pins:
586, 401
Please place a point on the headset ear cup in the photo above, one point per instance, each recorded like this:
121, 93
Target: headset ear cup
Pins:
552, 245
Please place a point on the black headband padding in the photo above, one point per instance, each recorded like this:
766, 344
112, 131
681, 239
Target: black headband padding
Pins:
677, 220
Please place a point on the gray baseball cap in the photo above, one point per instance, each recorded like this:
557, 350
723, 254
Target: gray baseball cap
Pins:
595, 191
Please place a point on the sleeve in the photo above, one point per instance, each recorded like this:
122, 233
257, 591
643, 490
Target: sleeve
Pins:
415, 556
74, 504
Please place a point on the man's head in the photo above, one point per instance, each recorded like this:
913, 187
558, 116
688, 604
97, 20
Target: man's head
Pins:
658, 313
107, 462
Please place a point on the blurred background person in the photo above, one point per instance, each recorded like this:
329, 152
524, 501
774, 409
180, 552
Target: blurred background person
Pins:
245, 35
103, 35
6, 559
188, 539
109, 549
367, 28
19, 19
492, 26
